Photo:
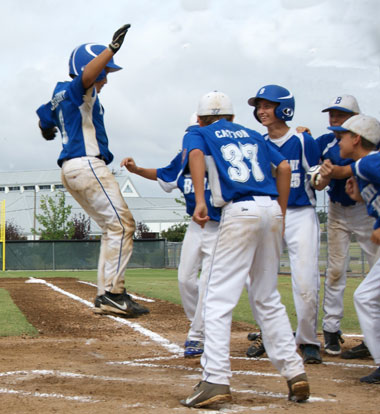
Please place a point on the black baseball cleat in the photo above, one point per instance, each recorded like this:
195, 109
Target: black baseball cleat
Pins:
373, 378
332, 342
257, 348
97, 302
310, 354
357, 352
122, 304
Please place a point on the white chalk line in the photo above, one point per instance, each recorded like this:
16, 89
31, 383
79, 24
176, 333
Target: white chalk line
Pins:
165, 343
130, 294
75, 398
338, 364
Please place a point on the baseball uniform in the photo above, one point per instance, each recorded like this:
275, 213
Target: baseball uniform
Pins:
197, 245
367, 295
302, 232
239, 163
78, 114
345, 217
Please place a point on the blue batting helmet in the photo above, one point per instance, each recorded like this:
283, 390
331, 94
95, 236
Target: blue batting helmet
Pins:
278, 94
83, 54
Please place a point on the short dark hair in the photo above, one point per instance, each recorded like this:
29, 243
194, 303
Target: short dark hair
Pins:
368, 145
209, 119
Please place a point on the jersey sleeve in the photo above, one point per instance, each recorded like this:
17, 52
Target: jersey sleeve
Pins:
368, 168
167, 177
311, 150
194, 140
76, 91
45, 115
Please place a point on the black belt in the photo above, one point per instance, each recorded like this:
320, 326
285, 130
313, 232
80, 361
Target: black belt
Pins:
252, 197
100, 157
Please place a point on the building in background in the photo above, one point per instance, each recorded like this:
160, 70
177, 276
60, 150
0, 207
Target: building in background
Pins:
22, 191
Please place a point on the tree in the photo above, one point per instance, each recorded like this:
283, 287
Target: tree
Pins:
82, 227
322, 215
54, 218
175, 233
140, 229
13, 231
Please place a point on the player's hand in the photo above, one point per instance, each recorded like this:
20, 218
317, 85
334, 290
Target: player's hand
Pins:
200, 214
129, 164
375, 236
118, 38
48, 133
326, 170
301, 129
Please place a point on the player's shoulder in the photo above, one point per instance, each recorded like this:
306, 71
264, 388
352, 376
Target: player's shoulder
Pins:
326, 138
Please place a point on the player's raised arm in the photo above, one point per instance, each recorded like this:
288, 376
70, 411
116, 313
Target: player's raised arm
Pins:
97, 65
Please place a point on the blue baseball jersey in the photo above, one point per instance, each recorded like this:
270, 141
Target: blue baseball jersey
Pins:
78, 114
176, 175
367, 172
329, 149
301, 152
239, 160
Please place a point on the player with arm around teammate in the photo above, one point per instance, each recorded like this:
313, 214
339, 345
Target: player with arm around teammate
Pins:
359, 137
239, 161
274, 106
197, 244
345, 217
76, 111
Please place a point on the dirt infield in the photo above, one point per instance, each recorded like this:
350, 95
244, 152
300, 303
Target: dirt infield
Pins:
85, 363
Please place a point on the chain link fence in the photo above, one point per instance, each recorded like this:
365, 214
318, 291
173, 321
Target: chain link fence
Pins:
149, 253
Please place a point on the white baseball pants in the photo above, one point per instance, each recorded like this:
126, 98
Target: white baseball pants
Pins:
302, 240
248, 243
367, 305
94, 187
342, 222
196, 253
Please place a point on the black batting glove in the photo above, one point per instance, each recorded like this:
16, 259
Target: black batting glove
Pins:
48, 133
118, 38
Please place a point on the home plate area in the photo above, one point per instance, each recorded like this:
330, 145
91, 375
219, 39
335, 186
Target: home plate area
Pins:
87, 363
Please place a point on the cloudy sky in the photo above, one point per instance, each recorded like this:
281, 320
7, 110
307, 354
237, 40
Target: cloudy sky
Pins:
175, 51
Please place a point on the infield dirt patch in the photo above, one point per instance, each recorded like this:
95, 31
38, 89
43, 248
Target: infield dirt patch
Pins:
85, 363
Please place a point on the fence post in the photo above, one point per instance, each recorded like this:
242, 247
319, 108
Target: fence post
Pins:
53, 248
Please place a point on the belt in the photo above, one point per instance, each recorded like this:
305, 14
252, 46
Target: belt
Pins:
100, 157
252, 197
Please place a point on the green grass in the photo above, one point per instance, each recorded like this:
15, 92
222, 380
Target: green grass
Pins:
12, 320
162, 284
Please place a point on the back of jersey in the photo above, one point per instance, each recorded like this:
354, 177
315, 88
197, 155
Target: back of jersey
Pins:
238, 161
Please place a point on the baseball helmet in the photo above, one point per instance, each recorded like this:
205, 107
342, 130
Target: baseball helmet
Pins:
215, 103
83, 54
278, 94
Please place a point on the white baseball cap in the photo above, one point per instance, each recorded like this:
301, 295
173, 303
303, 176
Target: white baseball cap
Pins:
366, 126
345, 103
215, 103
193, 120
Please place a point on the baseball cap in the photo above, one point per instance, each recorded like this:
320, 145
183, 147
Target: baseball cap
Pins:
215, 103
193, 119
345, 103
366, 126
